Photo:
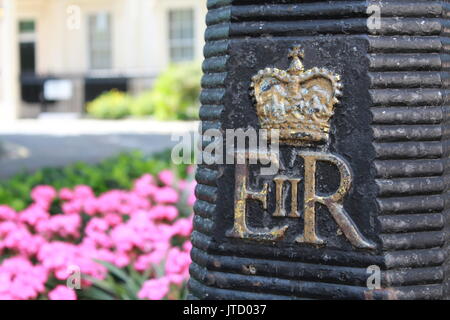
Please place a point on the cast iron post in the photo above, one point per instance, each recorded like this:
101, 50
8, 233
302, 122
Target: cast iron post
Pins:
359, 206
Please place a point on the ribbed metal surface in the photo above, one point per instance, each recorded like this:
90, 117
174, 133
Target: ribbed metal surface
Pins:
408, 89
407, 132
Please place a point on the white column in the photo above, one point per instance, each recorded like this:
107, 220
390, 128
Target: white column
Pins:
9, 62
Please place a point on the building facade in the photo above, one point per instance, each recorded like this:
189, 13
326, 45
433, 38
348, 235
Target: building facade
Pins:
58, 54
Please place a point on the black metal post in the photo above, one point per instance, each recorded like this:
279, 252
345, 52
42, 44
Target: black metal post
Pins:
369, 172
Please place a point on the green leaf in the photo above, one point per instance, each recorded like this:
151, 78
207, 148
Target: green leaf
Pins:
97, 294
113, 269
102, 284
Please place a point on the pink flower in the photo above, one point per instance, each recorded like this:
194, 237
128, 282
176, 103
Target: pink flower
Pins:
182, 185
155, 289
191, 170
17, 237
145, 262
178, 264
60, 257
73, 207
177, 279
163, 212
121, 260
145, 186
187, 246
90, 206
191, 200
167, 177
31, 245
125, 228
166, 195
66, 194
20, 280
83, 192
43, 194
183, 227
62, 225
110, 202
113, 219
62, 293
124, 237
96, 230
6, 213
34, 215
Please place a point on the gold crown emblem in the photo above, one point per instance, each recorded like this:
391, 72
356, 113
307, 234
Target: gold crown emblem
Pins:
297, 102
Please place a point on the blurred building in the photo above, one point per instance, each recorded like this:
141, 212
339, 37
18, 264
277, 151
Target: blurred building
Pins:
55, 55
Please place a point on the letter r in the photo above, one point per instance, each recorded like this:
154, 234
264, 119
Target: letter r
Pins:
333, 202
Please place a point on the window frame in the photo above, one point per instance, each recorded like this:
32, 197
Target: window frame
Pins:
108, 47
181, 42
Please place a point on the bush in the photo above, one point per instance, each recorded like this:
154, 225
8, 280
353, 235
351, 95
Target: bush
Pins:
110, 105
114, 173
143, 105
176, 93
174, 96
123, 244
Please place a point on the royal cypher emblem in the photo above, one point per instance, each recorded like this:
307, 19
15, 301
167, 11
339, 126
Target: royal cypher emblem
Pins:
300, 104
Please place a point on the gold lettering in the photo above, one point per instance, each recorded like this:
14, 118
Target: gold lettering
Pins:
333, 202
294, 198
242, 194
280, 210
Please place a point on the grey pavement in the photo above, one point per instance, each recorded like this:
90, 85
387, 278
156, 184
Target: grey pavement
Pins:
33, 144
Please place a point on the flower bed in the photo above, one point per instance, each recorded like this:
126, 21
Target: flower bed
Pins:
117, 172
124, 244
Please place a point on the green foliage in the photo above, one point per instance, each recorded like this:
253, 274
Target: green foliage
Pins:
176, 92
110, 105
114, 173
174, 96
124, 284
143, 105
120, 284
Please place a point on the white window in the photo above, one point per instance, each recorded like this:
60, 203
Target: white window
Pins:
100, 55
181, 35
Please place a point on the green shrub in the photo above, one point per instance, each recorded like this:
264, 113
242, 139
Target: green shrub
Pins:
176, 92
174, 96
143, 105
110, 105
114, 173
